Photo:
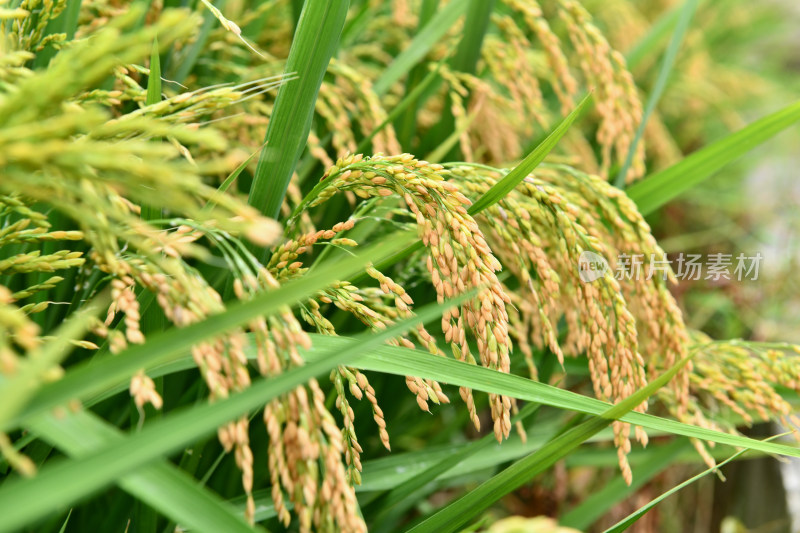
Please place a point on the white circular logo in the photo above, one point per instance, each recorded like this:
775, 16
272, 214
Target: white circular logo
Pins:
591, 266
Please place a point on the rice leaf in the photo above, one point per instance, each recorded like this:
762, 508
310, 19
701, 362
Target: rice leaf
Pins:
627, 522
686, 13
404, 105
660, 188
406, 125
465, 59
66, 521
420, 45
154, 79
223, 188
648, 45
406, 362
161, 485
458, 513
386, 473
315, 42
500, 189
479, 14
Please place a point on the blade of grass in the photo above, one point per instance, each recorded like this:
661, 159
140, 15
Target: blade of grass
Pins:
70, 15
420, 45
660, 188
160, 484
66, 23
89, 378
403, 362
356, 24
686, 13
627, 522
223, 188
297, 10
26, 500
500, 189
598, 503
314, 44
458, 513
66, 521
476, 23
406, 362
153, 320
387, 473
154, 79
647, 46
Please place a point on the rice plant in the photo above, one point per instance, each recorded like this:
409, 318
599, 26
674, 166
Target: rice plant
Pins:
250, 253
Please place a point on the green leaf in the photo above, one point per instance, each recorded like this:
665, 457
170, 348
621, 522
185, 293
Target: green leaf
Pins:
315, 42
90, 378
66, 22
154, 79
598, 503
388, 472
66, 521
24, 501
159, 484
406, 362
648, 44
222, 189
420, 45
500, 189
660, 188
406, 126
461, 511
627, 522
70, 15
476, 23
688, 9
